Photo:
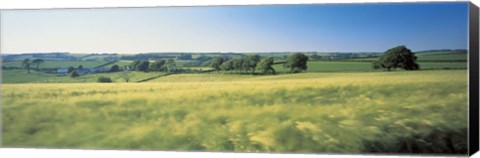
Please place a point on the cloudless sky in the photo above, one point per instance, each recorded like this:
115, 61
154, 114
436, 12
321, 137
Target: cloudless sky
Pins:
324, 27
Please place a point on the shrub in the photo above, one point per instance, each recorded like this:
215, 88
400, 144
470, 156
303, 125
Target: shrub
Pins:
102, 79
74, 74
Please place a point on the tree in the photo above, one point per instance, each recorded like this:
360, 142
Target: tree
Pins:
114, 68
80, 67
71, 69
126, 75
102, 79
142, 66
26, 64
397, 57
237, 64
227, 66
158, 65
170, 65
297, 63
74, 74
216, 62
37, 63
250, 62
134, 64
266, 66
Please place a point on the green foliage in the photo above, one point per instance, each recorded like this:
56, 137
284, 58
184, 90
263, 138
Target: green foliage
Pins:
266, 66
216, 63
237, 64
102, 79
227, 66
114, 68
158, 65
74, 74
140, 65
397, 57
70, 69
26, 64
170, 65
250, 62
37, 63
297, 63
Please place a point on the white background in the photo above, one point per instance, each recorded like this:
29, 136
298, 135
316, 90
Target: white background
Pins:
70, 153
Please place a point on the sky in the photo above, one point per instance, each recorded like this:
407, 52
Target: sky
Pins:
266, 28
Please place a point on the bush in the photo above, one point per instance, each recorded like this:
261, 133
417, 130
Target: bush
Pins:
74, 74
104, 79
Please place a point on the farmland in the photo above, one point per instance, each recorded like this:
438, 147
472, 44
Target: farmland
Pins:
308, 112
57, 64
341, 106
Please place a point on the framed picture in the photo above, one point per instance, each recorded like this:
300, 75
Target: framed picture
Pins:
354, 78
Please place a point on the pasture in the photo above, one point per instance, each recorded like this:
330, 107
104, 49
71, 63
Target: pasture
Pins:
356, 66
56, 64
21, 76
355, 112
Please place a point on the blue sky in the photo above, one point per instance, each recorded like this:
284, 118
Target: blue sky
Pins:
267, 28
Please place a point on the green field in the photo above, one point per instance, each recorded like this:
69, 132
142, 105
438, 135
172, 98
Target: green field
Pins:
355, 112
21, 76
447, 56
442, 56
56, 64
351, 66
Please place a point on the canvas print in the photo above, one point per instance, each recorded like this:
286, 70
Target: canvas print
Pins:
319, 78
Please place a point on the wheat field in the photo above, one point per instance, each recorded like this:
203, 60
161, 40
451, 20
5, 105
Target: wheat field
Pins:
402, 111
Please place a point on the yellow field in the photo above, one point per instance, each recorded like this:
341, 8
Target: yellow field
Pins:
404, 111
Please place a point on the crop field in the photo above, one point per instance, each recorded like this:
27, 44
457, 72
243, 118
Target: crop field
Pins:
56, 64
355, 112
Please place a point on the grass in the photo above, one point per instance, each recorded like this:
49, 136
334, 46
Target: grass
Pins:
21, 76
56, 64
442, 56
309, 112
351, 66
447, 56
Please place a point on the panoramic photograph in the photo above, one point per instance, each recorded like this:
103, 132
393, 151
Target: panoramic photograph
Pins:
389, 78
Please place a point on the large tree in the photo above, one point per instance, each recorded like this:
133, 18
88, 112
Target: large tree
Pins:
158, 65
237, 64
114, 68
266, 66
397, 57
37, 63
250, 62
142, 66
216, 62
170, 65
26, 64
227, 66
297, 63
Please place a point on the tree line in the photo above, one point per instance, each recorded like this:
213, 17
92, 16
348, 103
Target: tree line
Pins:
161, 65
27, 64
248, 64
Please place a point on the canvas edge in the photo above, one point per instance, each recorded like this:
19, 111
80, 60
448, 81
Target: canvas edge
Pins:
473, 80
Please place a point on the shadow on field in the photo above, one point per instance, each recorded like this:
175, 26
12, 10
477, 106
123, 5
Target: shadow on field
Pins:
436, 142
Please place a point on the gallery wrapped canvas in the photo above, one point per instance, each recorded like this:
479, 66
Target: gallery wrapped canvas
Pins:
372, 78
